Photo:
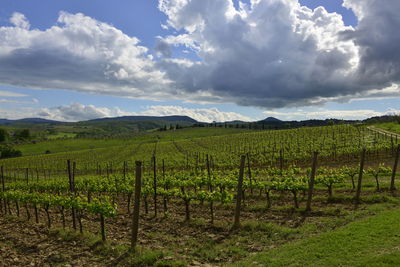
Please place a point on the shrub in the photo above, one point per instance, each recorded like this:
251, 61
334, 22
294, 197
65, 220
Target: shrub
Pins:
9, 152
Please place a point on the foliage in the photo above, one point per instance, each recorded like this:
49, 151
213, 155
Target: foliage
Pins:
6, 151
3, 135
24, 134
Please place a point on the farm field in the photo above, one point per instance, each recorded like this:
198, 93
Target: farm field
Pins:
208, 197
69, 144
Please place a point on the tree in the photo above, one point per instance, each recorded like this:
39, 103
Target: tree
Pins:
24, 134
9, 152
3, 135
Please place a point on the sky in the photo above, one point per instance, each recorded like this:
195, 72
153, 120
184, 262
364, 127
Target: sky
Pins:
213, 60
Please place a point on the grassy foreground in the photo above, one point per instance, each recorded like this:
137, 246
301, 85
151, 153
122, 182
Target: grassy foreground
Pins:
372, 241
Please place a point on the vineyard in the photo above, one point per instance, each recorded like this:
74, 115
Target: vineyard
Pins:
210, 199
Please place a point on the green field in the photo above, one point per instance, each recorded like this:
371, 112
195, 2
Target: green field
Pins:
75, 144
190, 184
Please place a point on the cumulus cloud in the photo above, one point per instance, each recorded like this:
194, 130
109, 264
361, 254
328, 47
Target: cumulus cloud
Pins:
20, 21
199, 114
79, 53
80, 112
163, 49
278, 53
268, 54
377, 38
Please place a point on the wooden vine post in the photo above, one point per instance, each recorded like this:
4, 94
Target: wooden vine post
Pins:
360, 176
312, 181
396, 160
71, 190
155, 184
136, 207
210, 189
236, 223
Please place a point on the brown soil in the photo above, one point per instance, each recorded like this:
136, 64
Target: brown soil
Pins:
25, 243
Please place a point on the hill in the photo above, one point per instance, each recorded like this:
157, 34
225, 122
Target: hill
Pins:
149, 118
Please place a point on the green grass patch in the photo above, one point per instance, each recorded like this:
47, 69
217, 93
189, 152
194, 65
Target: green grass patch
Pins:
371, 241
389, 126
60, 136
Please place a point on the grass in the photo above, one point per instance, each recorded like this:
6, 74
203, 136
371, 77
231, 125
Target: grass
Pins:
371, 241
389, 126
74, 144
60, 136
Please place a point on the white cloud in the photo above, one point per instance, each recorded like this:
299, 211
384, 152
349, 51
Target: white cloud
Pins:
2, 100
20, 21
377, 38
11, 94
199, 114
81, 54
277, 53
269, 54
80, 112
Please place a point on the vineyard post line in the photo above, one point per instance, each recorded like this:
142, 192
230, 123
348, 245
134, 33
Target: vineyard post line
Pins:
236, 223
360, 176
136, 207
312, 181
392, 186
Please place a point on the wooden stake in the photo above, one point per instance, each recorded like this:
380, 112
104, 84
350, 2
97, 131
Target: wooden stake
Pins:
71, 190
136, 208
396, 160
236, 223
211, 189
155, 185
312, 181
360, 176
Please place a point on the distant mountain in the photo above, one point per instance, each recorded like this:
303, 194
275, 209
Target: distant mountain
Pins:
28, 121
103, 127
149, 118
4, 121
270, 119
170, 119
38, 120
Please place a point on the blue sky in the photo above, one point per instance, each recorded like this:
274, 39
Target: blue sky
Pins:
176, 74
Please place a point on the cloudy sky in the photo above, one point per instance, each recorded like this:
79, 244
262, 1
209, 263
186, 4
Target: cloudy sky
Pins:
209, 59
